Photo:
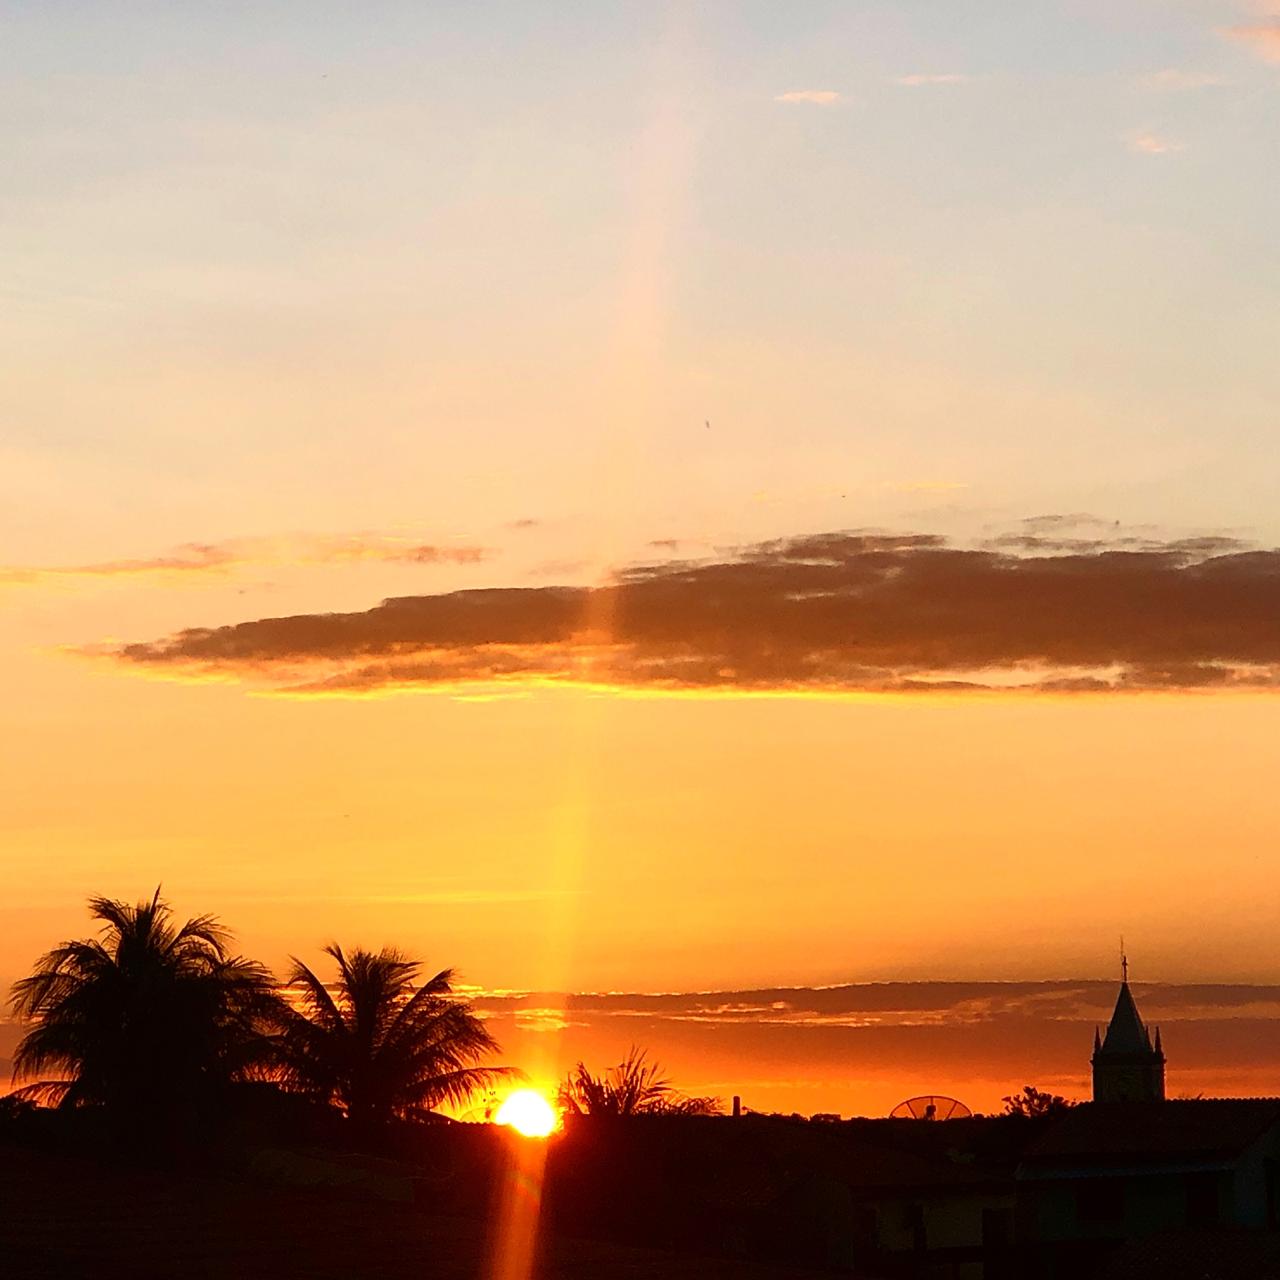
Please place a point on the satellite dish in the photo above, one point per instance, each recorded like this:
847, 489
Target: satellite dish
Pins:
930, 1106
483, 1112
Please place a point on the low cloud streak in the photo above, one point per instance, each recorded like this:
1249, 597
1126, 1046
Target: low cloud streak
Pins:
917, 79
815, 97
1176, 79
216, 559
862, 1047
907, 1004
1146, 143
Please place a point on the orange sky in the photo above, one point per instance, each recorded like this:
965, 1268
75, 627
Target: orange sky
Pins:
900, 348
669, 843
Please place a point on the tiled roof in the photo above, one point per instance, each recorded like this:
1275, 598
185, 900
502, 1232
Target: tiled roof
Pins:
754, 1158
1145, 1131
1196, 1255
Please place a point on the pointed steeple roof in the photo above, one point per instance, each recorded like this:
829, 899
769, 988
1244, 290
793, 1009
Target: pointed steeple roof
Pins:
1125, 1066
1126, 1032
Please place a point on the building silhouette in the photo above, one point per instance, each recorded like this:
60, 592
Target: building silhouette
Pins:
1127, 1067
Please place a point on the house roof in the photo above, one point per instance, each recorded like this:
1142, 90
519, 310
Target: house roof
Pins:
753, 1159
1145, 1132
883, 1168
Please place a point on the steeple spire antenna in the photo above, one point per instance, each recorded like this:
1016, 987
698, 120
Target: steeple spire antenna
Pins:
1126, 1066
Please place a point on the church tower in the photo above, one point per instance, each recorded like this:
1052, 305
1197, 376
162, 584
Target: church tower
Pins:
1126, 1066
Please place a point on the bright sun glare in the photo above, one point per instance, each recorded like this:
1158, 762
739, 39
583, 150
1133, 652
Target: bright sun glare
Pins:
527, 1112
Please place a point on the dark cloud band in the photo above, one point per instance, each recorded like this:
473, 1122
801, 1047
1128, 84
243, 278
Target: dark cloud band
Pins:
837, 612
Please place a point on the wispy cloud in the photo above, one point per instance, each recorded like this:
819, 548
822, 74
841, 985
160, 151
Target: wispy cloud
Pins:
818, 97
1080, 533
562, 569
1053, 606
545, 1019
406, 897
917, 79
1175, 79
925, 486
1144, 142
200, 560
1262, 37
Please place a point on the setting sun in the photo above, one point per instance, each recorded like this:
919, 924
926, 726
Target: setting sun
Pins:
527, 1112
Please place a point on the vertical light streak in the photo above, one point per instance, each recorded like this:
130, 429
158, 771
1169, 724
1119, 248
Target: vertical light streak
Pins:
515, 1243
657, 177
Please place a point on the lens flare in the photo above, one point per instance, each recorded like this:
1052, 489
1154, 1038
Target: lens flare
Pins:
527, 1112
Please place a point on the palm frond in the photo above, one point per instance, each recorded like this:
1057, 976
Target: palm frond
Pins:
380, 1045
315, 994
429, 992
49, 1093
145, 1011
456, 1087
635, 1086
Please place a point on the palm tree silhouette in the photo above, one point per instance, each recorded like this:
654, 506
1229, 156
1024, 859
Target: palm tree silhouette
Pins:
378, 1048
150, 1017
634, 1087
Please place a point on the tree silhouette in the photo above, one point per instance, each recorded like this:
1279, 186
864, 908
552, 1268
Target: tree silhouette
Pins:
1034, 1102
634, 1087
377, 1047
150, 1017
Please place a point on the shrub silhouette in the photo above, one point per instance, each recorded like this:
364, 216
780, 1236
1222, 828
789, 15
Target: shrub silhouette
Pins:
1035, 1102
633, 1087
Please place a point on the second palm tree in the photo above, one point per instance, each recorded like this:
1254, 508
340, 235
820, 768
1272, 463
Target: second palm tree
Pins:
380, 1044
